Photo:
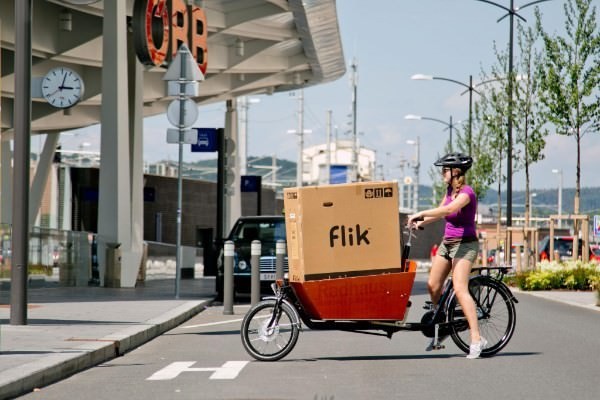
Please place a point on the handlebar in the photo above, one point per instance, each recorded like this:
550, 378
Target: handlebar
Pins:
412, 228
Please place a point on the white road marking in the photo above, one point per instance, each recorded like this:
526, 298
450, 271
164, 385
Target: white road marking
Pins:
218, 323
212, 323
229, 370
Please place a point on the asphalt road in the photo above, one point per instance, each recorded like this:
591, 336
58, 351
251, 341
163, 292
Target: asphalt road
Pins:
554, 354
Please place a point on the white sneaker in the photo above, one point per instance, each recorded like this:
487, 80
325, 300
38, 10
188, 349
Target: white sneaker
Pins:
476, 348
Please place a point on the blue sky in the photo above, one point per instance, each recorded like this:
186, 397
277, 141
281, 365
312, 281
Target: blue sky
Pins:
392, 40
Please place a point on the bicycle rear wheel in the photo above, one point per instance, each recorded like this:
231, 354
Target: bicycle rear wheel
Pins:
495, 311
272, 342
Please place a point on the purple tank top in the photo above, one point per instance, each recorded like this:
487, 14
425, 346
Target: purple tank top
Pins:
461, 224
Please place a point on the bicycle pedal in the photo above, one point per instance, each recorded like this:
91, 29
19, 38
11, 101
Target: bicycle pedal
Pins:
428, 305
439, 347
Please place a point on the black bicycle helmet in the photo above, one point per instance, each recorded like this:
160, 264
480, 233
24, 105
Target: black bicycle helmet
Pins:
455, 160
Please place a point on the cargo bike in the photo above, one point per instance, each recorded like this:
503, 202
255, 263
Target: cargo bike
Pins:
271, 328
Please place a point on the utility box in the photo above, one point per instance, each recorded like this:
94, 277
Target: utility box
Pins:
112, 277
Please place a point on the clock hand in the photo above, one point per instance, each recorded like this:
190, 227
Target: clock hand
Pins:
62, 86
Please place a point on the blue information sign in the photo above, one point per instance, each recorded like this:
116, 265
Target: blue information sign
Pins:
250, 183
207, 140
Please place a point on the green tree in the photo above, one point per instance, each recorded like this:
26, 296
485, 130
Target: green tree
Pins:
494, 110
481, 175
571, 76
529, 119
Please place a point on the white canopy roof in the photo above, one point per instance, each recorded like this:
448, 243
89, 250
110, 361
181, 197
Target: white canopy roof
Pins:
287, 44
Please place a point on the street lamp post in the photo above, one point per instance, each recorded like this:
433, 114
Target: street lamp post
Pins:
449, 125
560, 186
300, 132
355, 149
531, 196
470, 89
416, 166
244, 104
511, 13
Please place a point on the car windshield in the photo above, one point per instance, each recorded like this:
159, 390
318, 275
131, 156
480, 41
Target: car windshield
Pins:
265, 231
564, 247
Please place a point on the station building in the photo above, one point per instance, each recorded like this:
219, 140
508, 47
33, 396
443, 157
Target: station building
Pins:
120, 50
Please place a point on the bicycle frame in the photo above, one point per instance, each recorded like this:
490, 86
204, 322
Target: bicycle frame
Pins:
284, 292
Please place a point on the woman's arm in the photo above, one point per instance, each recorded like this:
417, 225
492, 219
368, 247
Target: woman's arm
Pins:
434, 214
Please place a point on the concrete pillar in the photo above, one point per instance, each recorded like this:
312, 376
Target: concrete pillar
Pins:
64, 204
233, 198
132, 257
114, 212
40, 178
6, 171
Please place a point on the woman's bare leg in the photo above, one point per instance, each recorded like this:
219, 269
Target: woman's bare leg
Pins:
440, 268
460, 281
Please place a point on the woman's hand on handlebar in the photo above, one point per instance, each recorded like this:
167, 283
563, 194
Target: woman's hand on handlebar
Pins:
415, 221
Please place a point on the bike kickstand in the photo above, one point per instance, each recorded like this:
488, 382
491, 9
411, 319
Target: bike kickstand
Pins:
436, 339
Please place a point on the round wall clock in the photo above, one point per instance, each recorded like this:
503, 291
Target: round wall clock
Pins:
62, 87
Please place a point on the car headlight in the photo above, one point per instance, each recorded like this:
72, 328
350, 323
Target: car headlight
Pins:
242, 265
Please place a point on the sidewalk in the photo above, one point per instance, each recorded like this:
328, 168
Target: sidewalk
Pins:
70, 329
573, 298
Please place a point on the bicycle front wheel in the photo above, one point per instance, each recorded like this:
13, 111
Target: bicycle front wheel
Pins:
268, 332
495, 312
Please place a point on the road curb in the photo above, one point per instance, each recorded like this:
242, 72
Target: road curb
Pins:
57, 366
543, 295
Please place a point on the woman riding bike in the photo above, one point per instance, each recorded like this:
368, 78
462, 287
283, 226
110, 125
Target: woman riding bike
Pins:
458, 250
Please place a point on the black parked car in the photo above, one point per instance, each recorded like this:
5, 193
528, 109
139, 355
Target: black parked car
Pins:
267, 229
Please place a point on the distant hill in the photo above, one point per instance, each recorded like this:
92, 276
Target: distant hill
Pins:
545, 201
207, 170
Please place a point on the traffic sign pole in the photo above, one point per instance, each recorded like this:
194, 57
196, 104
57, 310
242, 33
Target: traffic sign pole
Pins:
183, 72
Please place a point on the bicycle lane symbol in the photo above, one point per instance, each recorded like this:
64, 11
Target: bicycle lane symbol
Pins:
229, 370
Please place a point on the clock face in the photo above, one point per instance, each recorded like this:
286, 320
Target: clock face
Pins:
62, 87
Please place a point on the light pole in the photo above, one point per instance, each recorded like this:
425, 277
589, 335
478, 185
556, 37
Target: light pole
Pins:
531, 196
82, 146
560, 186
300, 162
355, 148
470, 89
300, 132
416, 166
244, 104
511, 13
449, 125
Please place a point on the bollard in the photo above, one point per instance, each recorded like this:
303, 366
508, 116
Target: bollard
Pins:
228, 253
279, 254
255, 249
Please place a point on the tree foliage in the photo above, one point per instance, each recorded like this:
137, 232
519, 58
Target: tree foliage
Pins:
570, 75
529, 119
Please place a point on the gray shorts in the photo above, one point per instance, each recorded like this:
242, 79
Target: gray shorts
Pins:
466, 251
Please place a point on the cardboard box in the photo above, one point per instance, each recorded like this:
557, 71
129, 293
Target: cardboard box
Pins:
337, 231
